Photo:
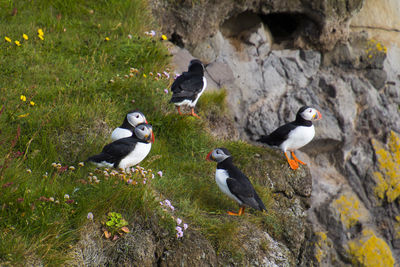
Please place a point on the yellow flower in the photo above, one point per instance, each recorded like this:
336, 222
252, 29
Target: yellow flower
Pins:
144, 75
40, 32
17, 43
25, 36
23, 98
107, 39
23, 115
32, 103
164, 37
7, 39
41, 37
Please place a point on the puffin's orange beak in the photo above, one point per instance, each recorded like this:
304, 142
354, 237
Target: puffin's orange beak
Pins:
152, 137
319, 116
146, 121
209, 157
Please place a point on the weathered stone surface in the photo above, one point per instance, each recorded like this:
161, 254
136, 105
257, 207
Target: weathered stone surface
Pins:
381, 19
355, 85
320, 23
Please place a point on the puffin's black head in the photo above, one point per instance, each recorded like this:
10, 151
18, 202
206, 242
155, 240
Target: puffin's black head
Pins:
144, 132
308, 113
196, 66
218, 154
135, 118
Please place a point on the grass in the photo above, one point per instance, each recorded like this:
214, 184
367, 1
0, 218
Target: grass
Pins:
76, 81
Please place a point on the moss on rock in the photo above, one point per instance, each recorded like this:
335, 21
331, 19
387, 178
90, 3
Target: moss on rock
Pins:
370, 251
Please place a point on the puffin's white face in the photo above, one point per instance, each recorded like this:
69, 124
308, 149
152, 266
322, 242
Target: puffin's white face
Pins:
311, 114
218, 154
135, 118
145, 132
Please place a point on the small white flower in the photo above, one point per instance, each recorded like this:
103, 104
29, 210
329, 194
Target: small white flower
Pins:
90, 216
178, 221
160, 173
66, 196
130, 36
51, 199
185, 226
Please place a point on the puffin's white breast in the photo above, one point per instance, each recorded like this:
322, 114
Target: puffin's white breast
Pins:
298, 137
220, 177
120, 133
136, 156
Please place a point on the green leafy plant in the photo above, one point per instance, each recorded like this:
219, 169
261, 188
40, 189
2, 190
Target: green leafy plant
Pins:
115, 225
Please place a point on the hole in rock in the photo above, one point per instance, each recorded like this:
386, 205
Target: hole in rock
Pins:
235, 25
176, 39
291, 29
285, 30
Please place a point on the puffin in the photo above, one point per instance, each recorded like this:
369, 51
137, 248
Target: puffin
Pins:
131, 120
294, 135
188, 87
126, 152
233, 182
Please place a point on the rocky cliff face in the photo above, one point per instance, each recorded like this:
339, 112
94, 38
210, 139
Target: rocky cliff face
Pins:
275, 56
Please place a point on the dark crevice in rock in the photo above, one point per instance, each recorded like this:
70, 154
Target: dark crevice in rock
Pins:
177, 40
286, 28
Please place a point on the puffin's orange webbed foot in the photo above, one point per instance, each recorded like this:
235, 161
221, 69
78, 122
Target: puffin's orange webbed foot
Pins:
296, 159
240, 213
179, 110
292, 163
193, 114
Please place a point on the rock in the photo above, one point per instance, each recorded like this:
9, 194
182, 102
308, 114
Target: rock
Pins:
320, 23
381, 19
376, 77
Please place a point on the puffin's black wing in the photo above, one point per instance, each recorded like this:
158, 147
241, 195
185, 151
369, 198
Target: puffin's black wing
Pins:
115, 151
187, 86
277, 137
122, 147
241, 187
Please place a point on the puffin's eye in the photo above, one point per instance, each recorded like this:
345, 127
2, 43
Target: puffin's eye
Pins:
310, 111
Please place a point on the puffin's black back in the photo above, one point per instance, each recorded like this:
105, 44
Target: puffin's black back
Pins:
116, 151
240, 185
188, 85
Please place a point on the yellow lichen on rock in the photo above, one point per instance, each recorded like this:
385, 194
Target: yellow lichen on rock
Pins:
370, 251
388, 176
397, 227
319, 246
349, 210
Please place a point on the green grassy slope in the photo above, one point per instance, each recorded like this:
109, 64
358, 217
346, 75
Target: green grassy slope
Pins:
61, 97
